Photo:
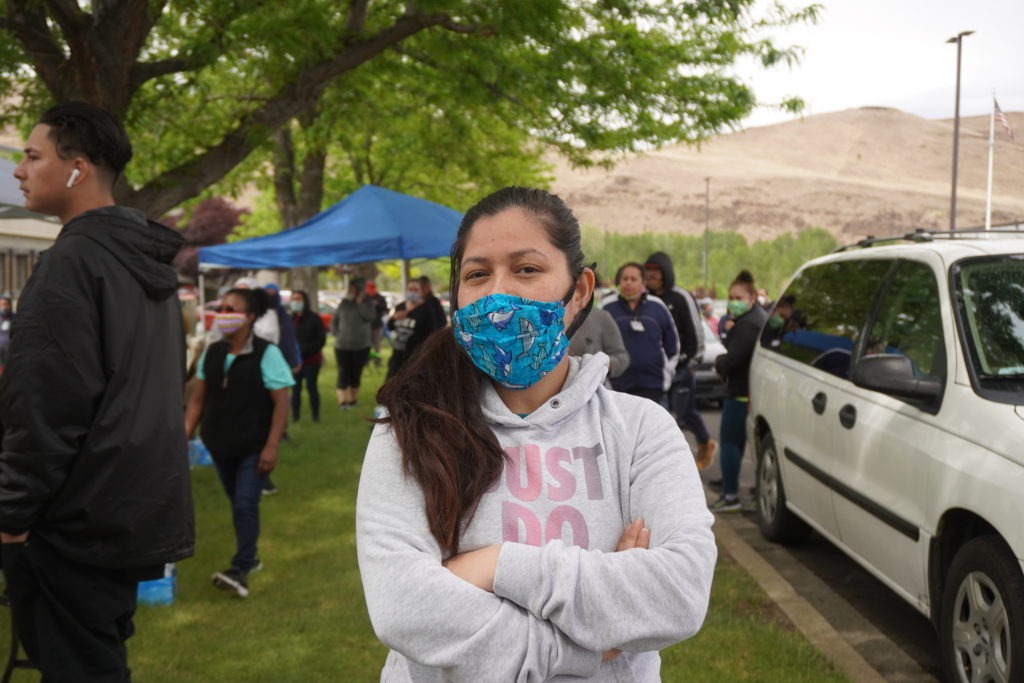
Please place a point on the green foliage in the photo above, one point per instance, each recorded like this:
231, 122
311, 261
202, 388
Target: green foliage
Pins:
772, 263
455, 96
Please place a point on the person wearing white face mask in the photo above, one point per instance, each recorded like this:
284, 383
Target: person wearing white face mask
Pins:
240, 405
309, 330
517, 520
351, 326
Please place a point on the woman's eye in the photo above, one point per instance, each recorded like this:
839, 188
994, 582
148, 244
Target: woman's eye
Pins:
475, 274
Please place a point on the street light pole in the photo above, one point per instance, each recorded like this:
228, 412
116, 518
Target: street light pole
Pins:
707, 221
958, 39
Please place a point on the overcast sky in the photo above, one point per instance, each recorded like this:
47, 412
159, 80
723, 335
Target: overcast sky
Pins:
893, 53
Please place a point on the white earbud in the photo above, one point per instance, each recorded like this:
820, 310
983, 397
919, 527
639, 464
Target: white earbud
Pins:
73, 177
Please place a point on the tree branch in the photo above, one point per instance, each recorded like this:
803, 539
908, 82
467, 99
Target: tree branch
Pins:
28, 23
187, 180
284, 174
355, 19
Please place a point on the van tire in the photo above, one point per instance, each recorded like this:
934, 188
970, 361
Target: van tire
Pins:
778, 524
982, 626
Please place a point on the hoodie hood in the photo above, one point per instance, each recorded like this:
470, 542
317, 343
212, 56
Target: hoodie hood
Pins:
668, 273
586, 376
145, 248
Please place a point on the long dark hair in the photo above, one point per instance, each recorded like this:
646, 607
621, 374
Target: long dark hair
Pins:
433, 402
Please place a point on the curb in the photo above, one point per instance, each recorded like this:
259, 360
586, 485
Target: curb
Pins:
818, 631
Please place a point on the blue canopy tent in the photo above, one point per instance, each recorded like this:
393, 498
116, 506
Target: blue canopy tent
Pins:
371, 224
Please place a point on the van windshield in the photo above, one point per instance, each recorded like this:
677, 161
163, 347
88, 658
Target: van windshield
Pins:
990, 299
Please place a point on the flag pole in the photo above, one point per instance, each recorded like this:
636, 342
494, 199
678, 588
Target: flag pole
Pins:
991, 150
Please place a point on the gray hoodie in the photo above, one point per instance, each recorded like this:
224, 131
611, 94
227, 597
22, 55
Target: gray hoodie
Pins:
579, 468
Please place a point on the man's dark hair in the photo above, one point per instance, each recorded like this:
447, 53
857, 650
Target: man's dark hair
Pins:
80, 129
425, 282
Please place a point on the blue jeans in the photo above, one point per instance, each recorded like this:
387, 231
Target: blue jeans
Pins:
683, 397
244, 487
734, 440
309, 375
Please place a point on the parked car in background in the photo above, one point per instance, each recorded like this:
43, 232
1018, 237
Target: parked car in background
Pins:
887, 409
711, 389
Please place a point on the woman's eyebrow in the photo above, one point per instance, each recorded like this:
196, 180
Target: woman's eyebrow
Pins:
520, 253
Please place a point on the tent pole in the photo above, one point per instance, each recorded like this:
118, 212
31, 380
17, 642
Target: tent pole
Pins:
405, 276
201, 323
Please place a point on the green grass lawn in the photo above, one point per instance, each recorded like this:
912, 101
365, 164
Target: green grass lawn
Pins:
305, 619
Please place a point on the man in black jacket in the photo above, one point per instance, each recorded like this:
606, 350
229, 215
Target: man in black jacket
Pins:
94, 482
661, 282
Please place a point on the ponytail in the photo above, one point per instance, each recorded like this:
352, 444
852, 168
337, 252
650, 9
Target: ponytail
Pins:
433, 409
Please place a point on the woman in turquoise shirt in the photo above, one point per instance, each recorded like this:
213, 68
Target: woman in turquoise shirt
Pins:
241, 406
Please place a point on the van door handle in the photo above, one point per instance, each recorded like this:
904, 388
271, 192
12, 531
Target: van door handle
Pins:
848, 416
819, 401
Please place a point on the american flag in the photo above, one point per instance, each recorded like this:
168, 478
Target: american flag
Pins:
1001, 118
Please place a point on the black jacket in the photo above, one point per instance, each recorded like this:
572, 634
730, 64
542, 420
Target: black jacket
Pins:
734, 365
94, 459
310, 332
684, 311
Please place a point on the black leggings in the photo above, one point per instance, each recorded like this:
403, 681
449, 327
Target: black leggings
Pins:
350, 367
309, 375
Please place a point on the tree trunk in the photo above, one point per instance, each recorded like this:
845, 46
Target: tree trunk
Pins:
299, 196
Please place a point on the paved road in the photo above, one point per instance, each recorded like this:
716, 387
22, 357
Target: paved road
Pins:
892, 636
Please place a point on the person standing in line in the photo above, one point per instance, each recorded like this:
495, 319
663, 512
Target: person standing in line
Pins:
649, 335
309, 329
734, 367
516, 520
433, 304
287, 341
412, 322
95, 493
351, 329
726, 322
599, 332
661, 282
240, 404
377, 326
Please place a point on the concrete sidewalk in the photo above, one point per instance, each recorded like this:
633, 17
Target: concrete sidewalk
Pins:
855, 646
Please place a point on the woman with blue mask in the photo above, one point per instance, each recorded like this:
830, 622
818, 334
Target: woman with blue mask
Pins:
517, 520
734, 366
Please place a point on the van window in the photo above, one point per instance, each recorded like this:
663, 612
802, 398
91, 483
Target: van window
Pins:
819, 318
908, 321
990, 311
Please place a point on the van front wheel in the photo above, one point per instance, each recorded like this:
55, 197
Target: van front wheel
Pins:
982, 625
777, 522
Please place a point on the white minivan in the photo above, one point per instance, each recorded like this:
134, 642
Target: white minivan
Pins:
887, 410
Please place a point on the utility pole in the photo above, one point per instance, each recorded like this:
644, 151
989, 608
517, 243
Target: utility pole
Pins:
707, 223
958, 39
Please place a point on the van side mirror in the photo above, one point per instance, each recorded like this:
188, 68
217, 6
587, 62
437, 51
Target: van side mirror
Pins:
893, 373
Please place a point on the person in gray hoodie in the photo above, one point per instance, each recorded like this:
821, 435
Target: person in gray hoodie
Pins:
351, 329
516, 520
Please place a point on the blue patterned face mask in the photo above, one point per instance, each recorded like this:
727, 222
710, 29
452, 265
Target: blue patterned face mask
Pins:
514, 341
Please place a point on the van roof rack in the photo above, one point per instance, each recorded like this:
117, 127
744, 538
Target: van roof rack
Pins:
925, 235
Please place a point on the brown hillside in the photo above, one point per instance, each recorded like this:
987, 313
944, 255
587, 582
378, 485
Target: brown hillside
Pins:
859, 172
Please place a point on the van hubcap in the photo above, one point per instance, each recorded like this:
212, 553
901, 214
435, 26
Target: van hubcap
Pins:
981, 631
768, 485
